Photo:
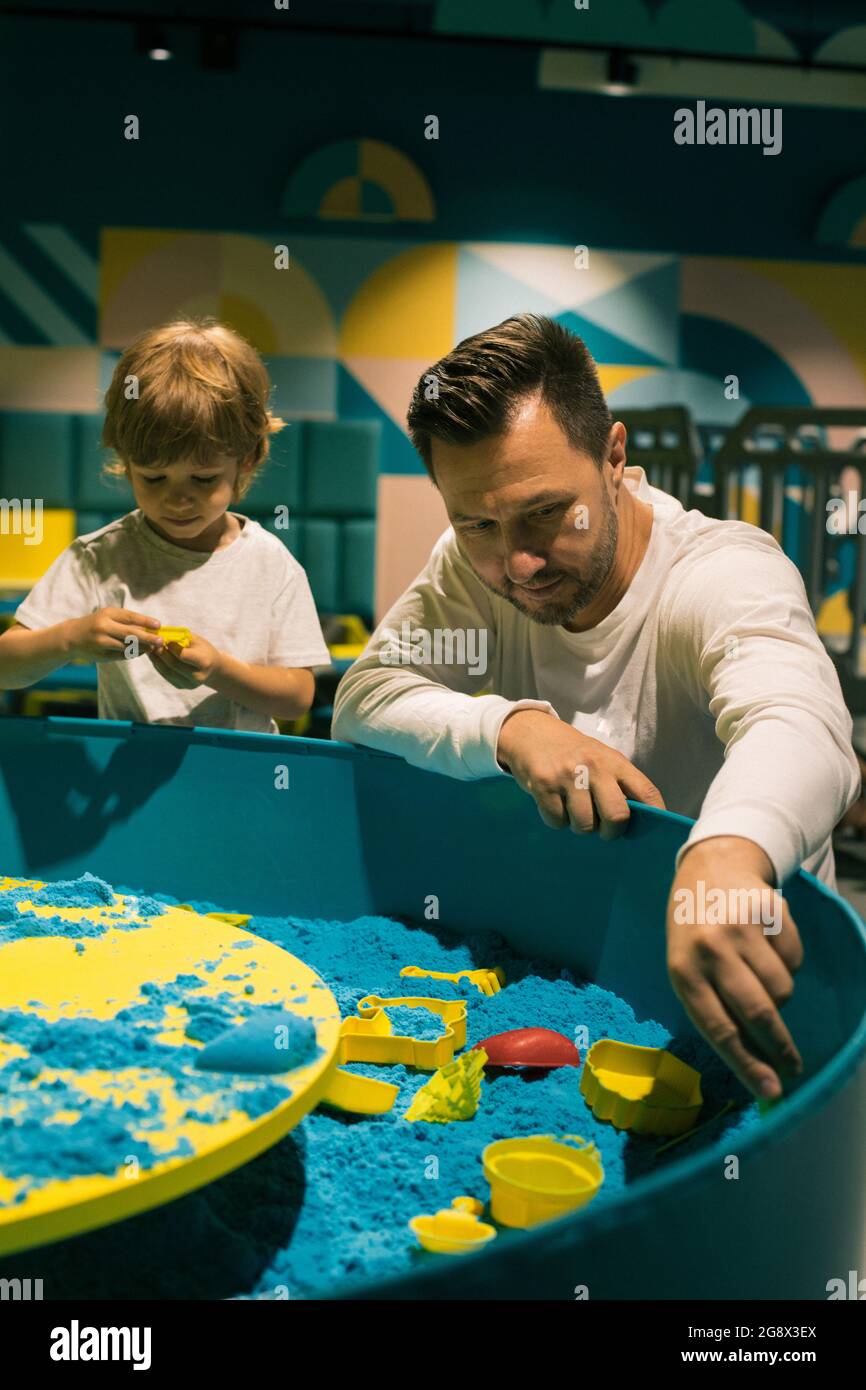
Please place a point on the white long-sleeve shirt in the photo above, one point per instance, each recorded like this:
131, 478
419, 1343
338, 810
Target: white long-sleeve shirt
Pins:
709, 676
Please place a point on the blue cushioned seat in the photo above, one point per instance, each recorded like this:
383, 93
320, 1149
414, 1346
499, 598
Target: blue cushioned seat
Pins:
341, 466
36, 457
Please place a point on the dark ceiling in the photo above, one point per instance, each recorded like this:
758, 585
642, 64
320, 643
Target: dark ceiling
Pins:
806, 22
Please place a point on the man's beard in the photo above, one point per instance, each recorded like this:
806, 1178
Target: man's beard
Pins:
579, 591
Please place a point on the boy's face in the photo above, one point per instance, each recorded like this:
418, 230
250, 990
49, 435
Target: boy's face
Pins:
185, 501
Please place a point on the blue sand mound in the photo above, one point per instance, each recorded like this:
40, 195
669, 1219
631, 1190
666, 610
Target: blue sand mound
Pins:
270, 1041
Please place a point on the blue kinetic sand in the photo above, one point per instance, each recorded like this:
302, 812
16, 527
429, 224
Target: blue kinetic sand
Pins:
342, 1187
416, 1023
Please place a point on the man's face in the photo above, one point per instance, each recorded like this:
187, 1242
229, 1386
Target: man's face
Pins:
535, 518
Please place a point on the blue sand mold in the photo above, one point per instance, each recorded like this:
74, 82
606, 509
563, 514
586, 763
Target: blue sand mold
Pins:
272, 1041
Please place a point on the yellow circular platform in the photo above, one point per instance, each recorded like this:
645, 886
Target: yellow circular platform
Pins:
47, 977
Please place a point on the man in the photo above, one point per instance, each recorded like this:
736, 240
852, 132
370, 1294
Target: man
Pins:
634, 650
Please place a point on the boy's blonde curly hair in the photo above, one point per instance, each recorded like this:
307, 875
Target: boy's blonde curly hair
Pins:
188, 390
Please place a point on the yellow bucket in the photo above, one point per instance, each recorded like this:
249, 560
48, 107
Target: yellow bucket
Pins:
645, 1090
455, 1231
538, 1178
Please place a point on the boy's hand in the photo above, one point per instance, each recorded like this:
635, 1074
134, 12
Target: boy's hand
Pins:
104, 635
730, 971
186, 668
575, 780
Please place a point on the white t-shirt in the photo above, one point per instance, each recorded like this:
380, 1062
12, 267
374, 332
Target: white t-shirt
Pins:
250, 599
708, 676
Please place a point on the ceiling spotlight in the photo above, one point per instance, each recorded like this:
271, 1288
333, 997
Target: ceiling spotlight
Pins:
153, 42
622, 75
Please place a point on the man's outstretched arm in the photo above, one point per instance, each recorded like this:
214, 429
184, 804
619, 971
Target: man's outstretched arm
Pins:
742, 636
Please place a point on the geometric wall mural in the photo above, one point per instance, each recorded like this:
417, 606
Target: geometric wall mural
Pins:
147, 275
358, 181
843, 217
349, 327
49, 284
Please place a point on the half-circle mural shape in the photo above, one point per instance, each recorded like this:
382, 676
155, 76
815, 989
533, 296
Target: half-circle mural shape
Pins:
358, 181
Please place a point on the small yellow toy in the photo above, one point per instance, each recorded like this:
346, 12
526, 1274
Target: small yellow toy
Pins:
347, 636
360, 1095
487, 981
645, 1090
369, 1038
456, 1230
472, 1205
234, 919
181, 635
537, 1178
452, 1093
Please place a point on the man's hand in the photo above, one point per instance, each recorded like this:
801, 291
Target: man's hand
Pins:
103, 636
187, 668
575, 780
732, 955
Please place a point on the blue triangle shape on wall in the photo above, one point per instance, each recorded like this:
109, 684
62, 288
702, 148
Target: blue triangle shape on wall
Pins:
354, 403
607, 347
643, 311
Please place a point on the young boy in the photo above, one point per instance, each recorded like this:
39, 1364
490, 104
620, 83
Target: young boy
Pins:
187, 416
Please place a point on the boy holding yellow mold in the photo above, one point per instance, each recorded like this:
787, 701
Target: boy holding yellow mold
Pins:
190, 437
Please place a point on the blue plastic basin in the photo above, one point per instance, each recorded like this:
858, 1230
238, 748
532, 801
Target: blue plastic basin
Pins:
198, 814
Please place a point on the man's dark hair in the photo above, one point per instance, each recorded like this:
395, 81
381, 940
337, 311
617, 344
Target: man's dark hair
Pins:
481, 382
